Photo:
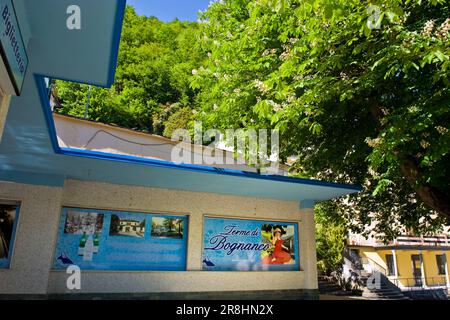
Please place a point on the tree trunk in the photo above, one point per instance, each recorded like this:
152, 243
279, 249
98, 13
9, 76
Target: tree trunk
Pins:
430, 195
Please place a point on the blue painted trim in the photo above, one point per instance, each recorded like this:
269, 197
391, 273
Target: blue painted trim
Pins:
117, 33
198, 168
6, 263
226, 263
106, 260
42, 90
41, 179
46, 108
167, 164
95, 84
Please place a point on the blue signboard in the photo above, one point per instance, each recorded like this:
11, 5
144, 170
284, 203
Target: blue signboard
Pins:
12, 47
110, 240
247, 245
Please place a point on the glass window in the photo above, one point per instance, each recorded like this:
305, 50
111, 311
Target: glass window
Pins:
390, 264
440, 259
9, 214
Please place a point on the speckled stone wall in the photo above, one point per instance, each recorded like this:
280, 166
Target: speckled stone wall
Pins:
35, 239
44, 204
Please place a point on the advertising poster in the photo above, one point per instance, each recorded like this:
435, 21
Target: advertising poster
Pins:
8, 223
110, 240
248, 245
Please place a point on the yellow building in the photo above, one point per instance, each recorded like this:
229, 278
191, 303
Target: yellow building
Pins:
411, 263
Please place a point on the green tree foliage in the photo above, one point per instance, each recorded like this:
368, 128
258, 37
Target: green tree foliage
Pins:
155, 64
161, 117
179, 120
179, 224
358, 89
169, 223
115, 224
360, 96
331, 232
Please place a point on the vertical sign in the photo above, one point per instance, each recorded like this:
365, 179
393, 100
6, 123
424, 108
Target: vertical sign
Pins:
247, 245
12, 47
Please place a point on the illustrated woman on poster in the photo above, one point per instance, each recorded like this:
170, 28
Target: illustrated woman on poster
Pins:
279, 255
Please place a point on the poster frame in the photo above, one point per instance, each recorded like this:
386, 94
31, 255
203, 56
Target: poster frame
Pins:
152, 213
295, 221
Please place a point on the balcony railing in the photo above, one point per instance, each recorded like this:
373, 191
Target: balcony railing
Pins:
419, 283
436, 241
407, 241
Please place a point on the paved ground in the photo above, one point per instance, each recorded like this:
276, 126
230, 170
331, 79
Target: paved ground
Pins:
332, 297
304, 294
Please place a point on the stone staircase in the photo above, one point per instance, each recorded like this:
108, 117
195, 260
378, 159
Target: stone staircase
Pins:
429, 294
386, 291
327, 287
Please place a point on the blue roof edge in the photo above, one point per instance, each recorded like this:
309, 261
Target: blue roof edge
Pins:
120, 12
203, 169
40, 82
120, 16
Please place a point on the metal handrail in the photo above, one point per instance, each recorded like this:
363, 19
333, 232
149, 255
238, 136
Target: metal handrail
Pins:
361, 261
379, 267
355, 261
411, 283
50, 88
435, 241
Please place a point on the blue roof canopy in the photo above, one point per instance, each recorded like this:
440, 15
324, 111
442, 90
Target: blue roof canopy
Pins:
86, 55
29, 152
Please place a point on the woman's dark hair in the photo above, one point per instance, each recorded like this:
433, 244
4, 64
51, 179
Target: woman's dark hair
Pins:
279, 227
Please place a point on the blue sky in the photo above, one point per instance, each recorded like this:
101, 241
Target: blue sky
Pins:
167, 10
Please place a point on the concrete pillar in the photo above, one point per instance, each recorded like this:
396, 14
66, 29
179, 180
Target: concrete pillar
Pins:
447, 279
34, 244
394, 257
422, 270
308, 247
